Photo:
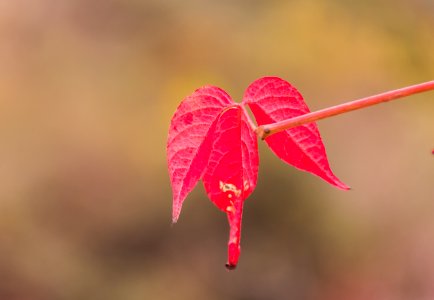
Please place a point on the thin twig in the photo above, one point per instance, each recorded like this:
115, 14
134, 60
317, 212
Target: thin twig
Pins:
266, 130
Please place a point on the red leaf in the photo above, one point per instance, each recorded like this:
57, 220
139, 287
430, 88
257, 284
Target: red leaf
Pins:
232, 170
272, 99
210, 138
189, 143
233, 164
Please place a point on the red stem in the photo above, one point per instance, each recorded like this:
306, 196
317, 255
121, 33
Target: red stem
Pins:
268, 129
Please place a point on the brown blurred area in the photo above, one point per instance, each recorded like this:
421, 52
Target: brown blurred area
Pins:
87, 90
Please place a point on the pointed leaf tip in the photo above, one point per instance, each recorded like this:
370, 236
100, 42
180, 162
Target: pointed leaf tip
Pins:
273, 99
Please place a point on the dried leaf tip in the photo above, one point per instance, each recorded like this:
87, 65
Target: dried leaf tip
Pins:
230, 267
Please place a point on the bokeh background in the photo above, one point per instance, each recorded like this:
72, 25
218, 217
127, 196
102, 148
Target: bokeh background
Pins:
87, 90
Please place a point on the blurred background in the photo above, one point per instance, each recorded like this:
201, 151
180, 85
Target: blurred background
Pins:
87, 91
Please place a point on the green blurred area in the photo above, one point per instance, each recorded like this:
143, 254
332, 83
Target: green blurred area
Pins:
87, 90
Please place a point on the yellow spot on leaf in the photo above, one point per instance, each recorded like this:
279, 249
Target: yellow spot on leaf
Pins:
229, 187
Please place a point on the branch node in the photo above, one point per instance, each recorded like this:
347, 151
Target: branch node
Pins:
262, 132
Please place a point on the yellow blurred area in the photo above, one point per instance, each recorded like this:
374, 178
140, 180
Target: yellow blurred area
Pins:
87, 90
